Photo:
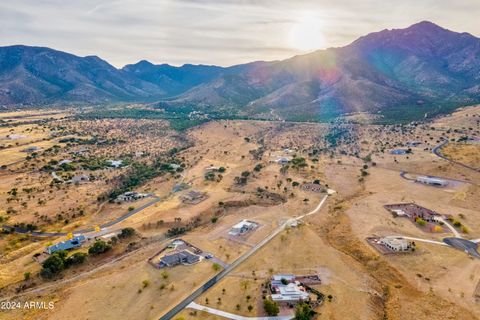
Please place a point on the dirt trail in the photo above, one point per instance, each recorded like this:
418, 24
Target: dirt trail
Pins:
397, 298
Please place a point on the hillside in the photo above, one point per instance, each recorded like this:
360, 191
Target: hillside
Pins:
31, 75
423, 69
410, 73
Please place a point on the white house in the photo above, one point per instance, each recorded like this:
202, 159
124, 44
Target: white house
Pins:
242, 227
285, 288
432, 181
115, 163
396, 244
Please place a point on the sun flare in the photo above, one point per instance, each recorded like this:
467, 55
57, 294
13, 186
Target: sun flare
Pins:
306, 34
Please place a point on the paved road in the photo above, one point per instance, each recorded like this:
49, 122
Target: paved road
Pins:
105, 225
468, 246
232, 316
207, 285
437, 151
465, 245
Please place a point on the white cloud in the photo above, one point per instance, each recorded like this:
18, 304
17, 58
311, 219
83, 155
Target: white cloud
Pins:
212, 32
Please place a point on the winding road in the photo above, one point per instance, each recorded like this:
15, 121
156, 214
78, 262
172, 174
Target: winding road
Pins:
436, 150
232, 316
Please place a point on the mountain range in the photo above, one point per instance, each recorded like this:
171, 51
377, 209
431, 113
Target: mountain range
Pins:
422, 69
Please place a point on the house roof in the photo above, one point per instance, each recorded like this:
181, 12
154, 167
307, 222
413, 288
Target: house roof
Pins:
183, 256
67, 245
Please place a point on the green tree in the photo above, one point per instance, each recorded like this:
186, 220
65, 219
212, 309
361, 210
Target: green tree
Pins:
271, 307
303, 311
76, 258
52, 266
99, 247
126, 233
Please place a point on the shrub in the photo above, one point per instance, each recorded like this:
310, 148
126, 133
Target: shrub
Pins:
99, 247
421, 222
76, 258
126, 233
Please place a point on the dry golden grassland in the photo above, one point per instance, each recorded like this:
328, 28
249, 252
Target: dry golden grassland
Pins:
465, 153
364, 284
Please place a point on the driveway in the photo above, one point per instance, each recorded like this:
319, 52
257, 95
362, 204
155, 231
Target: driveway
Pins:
232, 316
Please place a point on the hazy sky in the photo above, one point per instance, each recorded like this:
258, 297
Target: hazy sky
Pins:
215, 32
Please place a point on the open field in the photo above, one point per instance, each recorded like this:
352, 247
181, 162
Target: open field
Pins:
355, 160
468, 154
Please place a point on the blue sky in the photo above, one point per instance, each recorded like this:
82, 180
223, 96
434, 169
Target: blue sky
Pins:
215, 32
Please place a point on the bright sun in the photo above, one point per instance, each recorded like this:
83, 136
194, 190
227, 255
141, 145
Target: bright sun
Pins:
306, 34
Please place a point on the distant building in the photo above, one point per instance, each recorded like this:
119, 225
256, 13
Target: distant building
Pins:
396, 244
412, 211
242, 227
313, 187
131, 196
65, 161
176, 243
193, 197
432, 181
399, 152
75, 242
212, 168
80, 178
115, 163
413, 143
174, 166
31, 149
293, 223
285, 288
184, 257
283, 160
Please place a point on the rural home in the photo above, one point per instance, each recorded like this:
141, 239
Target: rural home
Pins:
75, 242
396, 244
184, 257
431, 181
242, 227
286, 289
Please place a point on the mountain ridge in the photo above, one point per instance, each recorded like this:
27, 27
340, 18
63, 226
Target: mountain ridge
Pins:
423, 68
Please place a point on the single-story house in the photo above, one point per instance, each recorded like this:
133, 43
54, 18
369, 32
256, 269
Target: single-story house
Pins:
73, 243
432, 181
242, 227
396, 244
184, 257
